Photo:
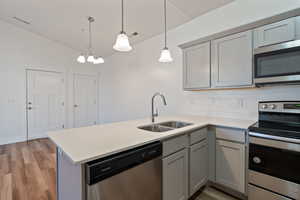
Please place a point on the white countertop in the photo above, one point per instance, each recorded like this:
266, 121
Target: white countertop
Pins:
89, 143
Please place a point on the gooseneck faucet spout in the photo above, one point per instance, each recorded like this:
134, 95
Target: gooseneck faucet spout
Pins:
153, 113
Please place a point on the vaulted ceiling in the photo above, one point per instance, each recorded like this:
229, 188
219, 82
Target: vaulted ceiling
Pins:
65, 21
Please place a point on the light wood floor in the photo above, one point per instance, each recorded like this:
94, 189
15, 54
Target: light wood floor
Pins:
28, 172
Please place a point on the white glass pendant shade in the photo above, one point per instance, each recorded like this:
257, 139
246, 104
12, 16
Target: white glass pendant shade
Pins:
165, 56
122, 43
91, 59
81, 59
98, 60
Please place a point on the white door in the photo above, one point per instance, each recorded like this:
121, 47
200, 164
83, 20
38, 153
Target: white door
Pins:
45, 103
85, 100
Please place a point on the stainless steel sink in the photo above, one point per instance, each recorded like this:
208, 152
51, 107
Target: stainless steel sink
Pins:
155, 128
175, 124
164, 126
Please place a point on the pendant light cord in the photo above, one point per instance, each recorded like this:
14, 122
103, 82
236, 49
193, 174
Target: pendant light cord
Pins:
90, 34
122, 10
165, 13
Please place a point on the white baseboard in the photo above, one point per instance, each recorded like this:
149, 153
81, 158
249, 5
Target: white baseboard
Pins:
12, 140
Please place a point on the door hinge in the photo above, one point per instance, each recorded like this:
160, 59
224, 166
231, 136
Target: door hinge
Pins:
95, 122
63, 80
63, 126
63, 103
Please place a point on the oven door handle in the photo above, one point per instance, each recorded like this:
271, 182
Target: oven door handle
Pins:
274, 141
273, 137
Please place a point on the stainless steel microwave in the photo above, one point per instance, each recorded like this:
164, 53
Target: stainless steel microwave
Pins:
279, 63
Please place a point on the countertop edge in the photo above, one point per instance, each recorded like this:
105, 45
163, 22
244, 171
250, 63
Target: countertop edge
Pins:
80, 162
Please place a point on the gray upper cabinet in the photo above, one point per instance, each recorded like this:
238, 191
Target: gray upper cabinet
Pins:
196, 70
275, 33
297, 27
232, 61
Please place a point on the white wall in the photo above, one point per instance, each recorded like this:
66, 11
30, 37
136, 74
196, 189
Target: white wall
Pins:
20, 49
131, 78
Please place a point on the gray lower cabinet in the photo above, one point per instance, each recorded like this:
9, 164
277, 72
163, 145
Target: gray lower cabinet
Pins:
196, 70
198, 165
175, 176
230, 165
232, 61
70, 178
275, 33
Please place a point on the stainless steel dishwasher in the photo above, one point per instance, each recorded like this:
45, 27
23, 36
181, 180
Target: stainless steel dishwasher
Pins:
131, 175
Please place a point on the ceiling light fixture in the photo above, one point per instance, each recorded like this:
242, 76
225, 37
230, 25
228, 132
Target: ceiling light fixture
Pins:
90, 58
122, 43
165, 55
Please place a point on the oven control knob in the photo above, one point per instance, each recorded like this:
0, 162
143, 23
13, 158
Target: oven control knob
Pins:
264, 106
272, 106
256, 160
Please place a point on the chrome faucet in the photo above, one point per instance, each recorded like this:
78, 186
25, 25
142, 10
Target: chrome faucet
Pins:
155, 114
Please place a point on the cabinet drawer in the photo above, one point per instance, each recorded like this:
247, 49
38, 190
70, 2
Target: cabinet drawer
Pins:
235, 135
198, 135
175, 144
258, 193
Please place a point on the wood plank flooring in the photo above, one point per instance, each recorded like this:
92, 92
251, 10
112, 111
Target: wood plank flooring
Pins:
28, 172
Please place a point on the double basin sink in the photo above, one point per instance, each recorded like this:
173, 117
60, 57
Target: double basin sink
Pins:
165, 126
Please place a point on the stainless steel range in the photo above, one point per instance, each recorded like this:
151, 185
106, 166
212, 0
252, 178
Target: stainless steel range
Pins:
274, 152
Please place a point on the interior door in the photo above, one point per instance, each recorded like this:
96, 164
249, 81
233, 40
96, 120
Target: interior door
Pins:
45, 103
85, 100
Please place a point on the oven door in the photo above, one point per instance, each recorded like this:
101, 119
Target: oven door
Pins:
277, 63
275, 166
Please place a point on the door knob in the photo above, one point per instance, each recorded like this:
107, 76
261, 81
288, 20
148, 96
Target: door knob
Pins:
75, 105
29, 108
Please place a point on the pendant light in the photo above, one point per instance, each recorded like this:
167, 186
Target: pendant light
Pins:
122, 43
165, 55
90, 58
81, 59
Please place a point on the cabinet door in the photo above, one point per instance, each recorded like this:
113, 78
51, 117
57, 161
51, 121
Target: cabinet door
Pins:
275, 33
232, 60
196, 70
198, 166
230, 165
175, 176
297, 28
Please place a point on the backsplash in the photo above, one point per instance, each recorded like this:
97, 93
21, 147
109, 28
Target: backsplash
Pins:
240, 104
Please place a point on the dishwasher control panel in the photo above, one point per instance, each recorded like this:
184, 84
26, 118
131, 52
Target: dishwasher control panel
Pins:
103, 168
